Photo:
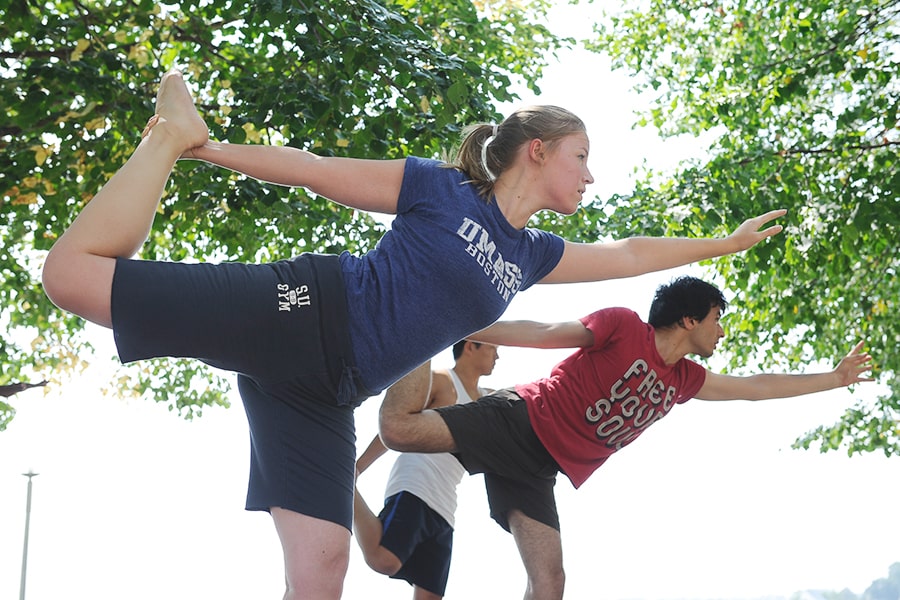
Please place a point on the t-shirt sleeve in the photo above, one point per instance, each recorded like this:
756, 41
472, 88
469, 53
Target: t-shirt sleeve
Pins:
547, 251
604, 323
695, 377
420, 177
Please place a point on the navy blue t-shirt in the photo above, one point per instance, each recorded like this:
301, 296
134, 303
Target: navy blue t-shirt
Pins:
449, 266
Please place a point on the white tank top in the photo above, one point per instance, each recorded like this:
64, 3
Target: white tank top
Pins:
431, 477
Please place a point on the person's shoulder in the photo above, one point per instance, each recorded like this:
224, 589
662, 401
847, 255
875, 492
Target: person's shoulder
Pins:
443, 391
442, 375
691, 365
430, 171
541, 235
419, 163
692, 372
426, 183
611, 314
423, 161
624, 313
610, 323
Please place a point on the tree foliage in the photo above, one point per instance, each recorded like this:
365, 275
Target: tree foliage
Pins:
887, 588
356, 78
801, 100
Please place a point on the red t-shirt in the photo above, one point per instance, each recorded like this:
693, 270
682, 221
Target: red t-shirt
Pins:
602, 398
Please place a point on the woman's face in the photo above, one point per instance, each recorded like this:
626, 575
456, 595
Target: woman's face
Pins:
566, 173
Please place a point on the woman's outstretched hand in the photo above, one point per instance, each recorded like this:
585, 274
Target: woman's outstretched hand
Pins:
748, 234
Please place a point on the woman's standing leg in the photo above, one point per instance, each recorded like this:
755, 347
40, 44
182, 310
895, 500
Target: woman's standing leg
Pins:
115, 223
316, 555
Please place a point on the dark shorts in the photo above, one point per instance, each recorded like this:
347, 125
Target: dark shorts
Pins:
283, 328
494, 436
420, 538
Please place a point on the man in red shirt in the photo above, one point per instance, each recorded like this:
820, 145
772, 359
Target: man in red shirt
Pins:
626, 375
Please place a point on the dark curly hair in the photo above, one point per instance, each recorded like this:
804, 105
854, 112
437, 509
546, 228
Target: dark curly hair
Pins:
684, 297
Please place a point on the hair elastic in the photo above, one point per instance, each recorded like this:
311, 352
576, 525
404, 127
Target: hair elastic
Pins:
487, 141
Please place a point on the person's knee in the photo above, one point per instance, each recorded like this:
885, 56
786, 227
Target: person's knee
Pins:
54, 277
555, 581
395, 430
325, 581
63, 275
397, 426
79, 283
418, 432
400, 414
541, 550
383, 561
547, 584
316, 555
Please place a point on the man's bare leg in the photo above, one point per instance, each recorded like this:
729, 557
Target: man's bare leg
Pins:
420, 593
402, 423
369, 530
540, 547
115, 223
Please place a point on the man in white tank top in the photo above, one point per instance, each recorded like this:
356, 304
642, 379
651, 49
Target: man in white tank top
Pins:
412, 537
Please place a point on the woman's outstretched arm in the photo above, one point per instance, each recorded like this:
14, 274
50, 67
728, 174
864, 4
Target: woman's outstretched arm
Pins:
370, 185
639, 255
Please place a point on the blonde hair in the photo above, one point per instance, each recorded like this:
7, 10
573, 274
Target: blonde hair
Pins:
487, 150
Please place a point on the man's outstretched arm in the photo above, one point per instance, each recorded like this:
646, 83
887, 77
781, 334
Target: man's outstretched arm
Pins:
533, 334
765, 386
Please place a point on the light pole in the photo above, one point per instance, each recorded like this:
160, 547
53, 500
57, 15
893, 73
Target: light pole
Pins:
29, 475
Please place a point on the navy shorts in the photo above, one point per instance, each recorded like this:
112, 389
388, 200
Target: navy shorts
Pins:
283, 328
420, 538
494, 436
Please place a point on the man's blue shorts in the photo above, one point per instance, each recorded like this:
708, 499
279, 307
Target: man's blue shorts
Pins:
420, 538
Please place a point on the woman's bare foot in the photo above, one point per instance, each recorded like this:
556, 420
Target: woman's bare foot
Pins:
176, 116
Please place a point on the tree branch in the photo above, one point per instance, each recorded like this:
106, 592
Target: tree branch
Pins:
814, 151
14, 388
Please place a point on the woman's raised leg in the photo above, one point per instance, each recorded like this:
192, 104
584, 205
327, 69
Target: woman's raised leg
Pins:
115, 223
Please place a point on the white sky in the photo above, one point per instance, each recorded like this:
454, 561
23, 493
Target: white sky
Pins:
711, 502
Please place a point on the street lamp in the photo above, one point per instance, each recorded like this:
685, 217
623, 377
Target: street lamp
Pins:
29, 475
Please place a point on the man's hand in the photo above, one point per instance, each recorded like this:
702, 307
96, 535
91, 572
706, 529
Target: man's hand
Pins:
851, 368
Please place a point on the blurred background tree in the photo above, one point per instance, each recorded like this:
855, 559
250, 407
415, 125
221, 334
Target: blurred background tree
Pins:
886, 588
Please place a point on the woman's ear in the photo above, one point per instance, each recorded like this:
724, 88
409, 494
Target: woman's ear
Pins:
536, 150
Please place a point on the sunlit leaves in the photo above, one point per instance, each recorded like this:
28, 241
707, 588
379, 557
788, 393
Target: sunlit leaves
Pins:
803, 98
353, 78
